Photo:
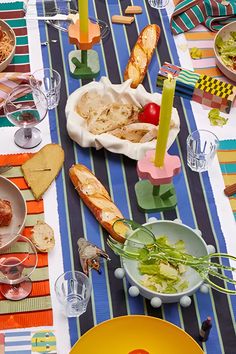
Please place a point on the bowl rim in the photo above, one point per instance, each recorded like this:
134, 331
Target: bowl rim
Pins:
130, 318
14, 39
155, 293
218, 57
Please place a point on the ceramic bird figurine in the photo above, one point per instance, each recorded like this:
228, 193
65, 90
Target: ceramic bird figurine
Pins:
89, 255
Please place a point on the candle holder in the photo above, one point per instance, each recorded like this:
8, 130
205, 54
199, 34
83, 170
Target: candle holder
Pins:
156, 192
84, 62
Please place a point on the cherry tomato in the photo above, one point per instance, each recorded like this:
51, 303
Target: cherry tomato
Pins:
150, 113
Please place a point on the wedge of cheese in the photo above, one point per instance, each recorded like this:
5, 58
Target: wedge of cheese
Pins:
42, 168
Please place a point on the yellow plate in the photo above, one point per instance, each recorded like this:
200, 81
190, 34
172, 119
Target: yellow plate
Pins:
123, 335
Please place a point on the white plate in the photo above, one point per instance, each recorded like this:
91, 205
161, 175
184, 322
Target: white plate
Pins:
77, 128
9, 191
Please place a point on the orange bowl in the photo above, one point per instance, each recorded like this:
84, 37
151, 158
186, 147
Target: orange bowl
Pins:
124, 335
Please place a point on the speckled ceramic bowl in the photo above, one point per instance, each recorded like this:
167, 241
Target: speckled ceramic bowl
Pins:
224, 34
5, 27
194, 245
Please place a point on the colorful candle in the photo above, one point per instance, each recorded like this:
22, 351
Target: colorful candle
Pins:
83, 17
165, 117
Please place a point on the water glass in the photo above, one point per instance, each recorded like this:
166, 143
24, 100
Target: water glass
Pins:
201, 149
48, 81
158, 4
73, 290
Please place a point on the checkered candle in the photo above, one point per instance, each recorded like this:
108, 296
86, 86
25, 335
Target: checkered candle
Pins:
200, 88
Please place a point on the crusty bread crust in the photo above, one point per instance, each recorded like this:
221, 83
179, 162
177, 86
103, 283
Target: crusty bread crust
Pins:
141, 54
96, 197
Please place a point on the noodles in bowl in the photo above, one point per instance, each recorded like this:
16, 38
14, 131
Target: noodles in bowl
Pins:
7, 45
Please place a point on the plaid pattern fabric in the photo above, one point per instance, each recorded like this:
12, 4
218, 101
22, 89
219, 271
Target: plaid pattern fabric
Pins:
212, 13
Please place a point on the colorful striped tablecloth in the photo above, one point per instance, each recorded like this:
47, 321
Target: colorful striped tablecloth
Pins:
35, 310
196, 206
227, 158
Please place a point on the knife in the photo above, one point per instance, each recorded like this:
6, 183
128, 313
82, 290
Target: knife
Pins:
57, 17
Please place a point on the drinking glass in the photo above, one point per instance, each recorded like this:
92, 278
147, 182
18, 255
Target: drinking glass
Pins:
73, 290
48, 81
26, 107
201, 149
17, 263
158, 4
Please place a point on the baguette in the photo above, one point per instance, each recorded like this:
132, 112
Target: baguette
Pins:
96, 197
141, 55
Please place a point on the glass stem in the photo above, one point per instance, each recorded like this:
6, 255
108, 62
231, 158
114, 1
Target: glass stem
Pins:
27, 133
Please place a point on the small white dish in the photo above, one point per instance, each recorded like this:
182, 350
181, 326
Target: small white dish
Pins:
224, 33
77, 128
9, 191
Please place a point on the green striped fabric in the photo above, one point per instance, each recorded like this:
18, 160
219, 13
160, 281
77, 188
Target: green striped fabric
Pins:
212, 13
13, 14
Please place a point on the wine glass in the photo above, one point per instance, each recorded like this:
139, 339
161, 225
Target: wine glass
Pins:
17, 263
158, 4
25, 107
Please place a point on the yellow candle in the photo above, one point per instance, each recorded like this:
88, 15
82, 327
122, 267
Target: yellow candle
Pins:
83, 17
165, 117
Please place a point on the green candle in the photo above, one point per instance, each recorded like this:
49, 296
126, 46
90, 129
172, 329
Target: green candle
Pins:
165, 117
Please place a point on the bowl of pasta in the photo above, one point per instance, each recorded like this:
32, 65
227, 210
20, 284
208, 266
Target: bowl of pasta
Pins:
7, 45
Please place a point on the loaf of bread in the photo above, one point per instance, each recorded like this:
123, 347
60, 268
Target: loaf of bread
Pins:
96, 197
42, 168
141, 55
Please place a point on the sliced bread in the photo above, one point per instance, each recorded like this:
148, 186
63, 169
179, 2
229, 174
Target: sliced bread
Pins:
42, 168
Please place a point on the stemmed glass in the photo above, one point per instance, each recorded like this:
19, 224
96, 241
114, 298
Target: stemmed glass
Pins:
25, 107
158, 4
17, 263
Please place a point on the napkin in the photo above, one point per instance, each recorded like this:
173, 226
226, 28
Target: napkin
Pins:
214, 14
9, 81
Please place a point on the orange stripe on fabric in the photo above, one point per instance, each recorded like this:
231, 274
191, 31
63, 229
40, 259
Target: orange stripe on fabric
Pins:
198, 36
5, 88
208, 71
34, 207
14, 159
27, 232
29, 319
19, 182
207, 53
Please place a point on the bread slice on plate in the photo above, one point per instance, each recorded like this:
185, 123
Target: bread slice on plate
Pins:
42, 168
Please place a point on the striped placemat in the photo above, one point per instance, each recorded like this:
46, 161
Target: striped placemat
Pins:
13, 13
202, 38
28, 342
35, 310
227, 158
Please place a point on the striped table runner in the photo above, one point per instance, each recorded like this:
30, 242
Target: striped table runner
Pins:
35, 310
227, 158
13, 13
27, 342
196, 205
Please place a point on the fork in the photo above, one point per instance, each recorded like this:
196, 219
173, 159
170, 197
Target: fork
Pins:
5, 168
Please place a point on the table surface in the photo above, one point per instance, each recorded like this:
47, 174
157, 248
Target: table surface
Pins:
195, 192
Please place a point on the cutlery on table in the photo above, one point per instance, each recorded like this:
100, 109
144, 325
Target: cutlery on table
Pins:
57, 17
